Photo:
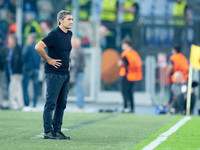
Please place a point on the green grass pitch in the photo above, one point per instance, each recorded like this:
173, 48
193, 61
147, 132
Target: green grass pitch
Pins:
90, 131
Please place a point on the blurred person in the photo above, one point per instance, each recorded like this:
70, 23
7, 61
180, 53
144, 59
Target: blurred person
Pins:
177, 62
130, 10
181, 14
196, 12
14, 69
178, 87
3, 19
130, 72
77, 72
68, 5
31, 66
85, 27
58, 43
45, 10
108, 18
11, 30
32, 26
179, 95
62, 5
3, 92
30, 6
84, 10
2, 10
11, 11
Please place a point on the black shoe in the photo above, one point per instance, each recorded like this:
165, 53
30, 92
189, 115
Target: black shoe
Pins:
50, 135
61, 136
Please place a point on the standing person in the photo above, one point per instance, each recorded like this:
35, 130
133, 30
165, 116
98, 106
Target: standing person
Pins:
179, 95
77, 73
130, 10
14, 69
85, 27
31, 66
2, 72
177, 62
181, 14
109, 19
58, 43
131, 71
32, 26
84, 10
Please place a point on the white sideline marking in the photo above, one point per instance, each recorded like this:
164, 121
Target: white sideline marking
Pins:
37, 136
166, 134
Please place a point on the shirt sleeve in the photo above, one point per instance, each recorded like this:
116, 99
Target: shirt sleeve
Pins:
125, 60
50, 39
170, 62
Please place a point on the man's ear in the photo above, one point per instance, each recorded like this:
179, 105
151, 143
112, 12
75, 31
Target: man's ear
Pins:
60, 20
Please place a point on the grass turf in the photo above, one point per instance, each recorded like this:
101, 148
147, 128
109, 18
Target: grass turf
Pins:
186, 138
23, 130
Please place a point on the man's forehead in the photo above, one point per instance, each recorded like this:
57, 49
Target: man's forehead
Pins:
68, 16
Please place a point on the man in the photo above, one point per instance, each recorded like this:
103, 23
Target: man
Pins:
32, 26
31, 66
58, 43
181, 14
2, 72
77, 72
14, 72
131, 71
179, 95
177, 62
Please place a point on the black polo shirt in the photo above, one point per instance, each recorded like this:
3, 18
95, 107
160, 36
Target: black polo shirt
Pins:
58, 47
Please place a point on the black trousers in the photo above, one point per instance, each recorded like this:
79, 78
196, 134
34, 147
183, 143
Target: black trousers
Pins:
178, 32
56, 101
127, 90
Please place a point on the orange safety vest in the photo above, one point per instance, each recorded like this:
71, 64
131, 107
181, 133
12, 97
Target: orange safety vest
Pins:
134, 70
180, 64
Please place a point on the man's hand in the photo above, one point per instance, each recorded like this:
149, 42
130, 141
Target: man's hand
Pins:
119, 63
73, 80
54, 62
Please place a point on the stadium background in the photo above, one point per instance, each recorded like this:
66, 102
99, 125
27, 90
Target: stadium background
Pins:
155, 39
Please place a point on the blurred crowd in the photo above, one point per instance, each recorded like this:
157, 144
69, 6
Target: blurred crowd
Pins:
20, 63
118, 19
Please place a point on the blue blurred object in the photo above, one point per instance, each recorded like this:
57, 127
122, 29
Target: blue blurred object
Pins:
160, 110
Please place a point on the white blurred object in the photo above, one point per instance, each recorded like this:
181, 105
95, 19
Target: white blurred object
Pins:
26, 109
184, 89
45, 27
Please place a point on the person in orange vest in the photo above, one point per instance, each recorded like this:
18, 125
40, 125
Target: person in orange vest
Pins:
130, 71
177, 62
